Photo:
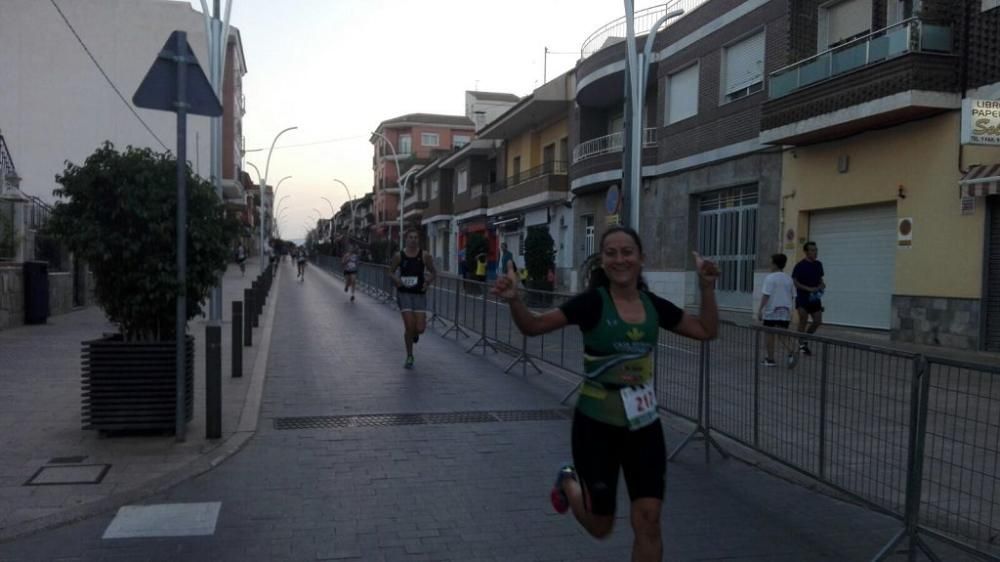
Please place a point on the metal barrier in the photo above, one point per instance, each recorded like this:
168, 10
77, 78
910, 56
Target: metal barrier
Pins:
913, 436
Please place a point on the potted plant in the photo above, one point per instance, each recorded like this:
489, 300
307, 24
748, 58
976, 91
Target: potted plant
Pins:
118, 212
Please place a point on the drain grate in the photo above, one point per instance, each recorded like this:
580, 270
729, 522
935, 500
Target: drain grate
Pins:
387, 420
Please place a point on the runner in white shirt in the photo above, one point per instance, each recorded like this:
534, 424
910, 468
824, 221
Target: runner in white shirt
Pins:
776, 303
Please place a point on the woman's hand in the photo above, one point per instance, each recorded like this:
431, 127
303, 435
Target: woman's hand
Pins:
708, 272
506, 285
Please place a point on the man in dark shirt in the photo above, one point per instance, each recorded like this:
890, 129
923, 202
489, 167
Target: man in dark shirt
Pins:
809, 285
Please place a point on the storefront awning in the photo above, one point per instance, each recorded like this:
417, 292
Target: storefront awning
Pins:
981, 181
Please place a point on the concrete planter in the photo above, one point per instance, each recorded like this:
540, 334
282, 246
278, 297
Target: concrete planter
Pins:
131, 386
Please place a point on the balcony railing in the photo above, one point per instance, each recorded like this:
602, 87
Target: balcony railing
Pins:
608, 144
6, 163
642, 20
908, 36
556, 167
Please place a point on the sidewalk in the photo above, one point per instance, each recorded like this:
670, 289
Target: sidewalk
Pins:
40, 420
357, 458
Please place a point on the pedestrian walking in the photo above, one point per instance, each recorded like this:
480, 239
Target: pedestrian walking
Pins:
481, 267
777, 300
241, 259
616, 425
808, 279
412, 271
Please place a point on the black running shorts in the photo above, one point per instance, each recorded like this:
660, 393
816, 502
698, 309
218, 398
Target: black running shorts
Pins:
599, 450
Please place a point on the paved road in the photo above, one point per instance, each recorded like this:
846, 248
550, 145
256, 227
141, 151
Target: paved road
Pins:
442, 491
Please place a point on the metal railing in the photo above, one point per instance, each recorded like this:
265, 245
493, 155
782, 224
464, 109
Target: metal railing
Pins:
555, 167
914, 436
7, 168
610, 143
614, 31
908, 36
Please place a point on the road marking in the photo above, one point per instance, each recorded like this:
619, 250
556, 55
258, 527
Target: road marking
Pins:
164, 520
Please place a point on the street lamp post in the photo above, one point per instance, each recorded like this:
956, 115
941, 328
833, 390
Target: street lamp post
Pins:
400, 181
263, 187
333, 215
635, 94
353, 204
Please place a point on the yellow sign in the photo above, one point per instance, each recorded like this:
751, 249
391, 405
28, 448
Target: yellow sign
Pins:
614, 220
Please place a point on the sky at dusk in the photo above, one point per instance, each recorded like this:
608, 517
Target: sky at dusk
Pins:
336, 68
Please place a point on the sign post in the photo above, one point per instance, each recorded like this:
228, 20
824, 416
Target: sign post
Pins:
169, 87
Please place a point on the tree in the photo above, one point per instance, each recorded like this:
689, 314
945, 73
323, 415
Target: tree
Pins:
539, 255
120, 216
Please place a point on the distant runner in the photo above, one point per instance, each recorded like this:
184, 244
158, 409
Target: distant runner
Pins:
412, 271
301, 261
350, 265
776, 303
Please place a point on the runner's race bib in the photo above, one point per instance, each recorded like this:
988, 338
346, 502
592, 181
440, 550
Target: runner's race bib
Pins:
640, 405
409, 281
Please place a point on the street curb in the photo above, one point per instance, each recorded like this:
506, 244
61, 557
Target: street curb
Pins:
246, 429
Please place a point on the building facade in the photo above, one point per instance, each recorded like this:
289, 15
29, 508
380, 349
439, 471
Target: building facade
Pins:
417, 139
57, 106
532, 190
869, 110
708, 184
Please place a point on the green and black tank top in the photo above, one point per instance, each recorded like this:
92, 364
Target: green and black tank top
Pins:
616, 353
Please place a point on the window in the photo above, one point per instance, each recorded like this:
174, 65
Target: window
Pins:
430, 139
564, 149
616, 123
743, 67
898, 10
458, 141
682, 94
405, 144
462, 183
588, 235
842, 21
549, 158
727, 234
516, 170
434, 188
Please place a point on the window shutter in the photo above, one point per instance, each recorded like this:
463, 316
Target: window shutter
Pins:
744, 63
848, 19
682, 94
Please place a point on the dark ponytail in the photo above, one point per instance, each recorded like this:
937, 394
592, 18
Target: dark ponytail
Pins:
596, 276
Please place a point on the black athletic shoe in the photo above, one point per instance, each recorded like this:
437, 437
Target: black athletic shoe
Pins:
416, 338
804, 349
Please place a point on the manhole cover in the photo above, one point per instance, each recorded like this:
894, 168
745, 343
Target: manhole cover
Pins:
388, 420
68, 475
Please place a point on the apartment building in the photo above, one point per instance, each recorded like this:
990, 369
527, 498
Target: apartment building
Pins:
413, 139
708, 184
869, 109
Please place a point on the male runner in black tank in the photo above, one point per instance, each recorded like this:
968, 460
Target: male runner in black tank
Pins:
412, 271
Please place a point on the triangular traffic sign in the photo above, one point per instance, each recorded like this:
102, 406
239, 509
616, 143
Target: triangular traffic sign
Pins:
158, 89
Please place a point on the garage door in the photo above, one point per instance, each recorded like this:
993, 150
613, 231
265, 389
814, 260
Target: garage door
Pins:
992, 308
858, 249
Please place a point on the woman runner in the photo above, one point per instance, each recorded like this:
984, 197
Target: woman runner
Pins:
616, 424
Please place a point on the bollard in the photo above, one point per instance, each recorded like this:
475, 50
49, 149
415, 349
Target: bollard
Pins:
236, 362
251, 306
213, 382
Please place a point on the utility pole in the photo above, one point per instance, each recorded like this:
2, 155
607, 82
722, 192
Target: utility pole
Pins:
217, 33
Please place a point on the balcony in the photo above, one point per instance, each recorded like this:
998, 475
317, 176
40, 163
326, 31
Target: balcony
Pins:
615, 31
883, 77
598, 161
465, 202
439, 207
529, 188
601, 70
608, 144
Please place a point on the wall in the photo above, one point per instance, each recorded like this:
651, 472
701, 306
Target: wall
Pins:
60, 294
920, 156
58, 107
